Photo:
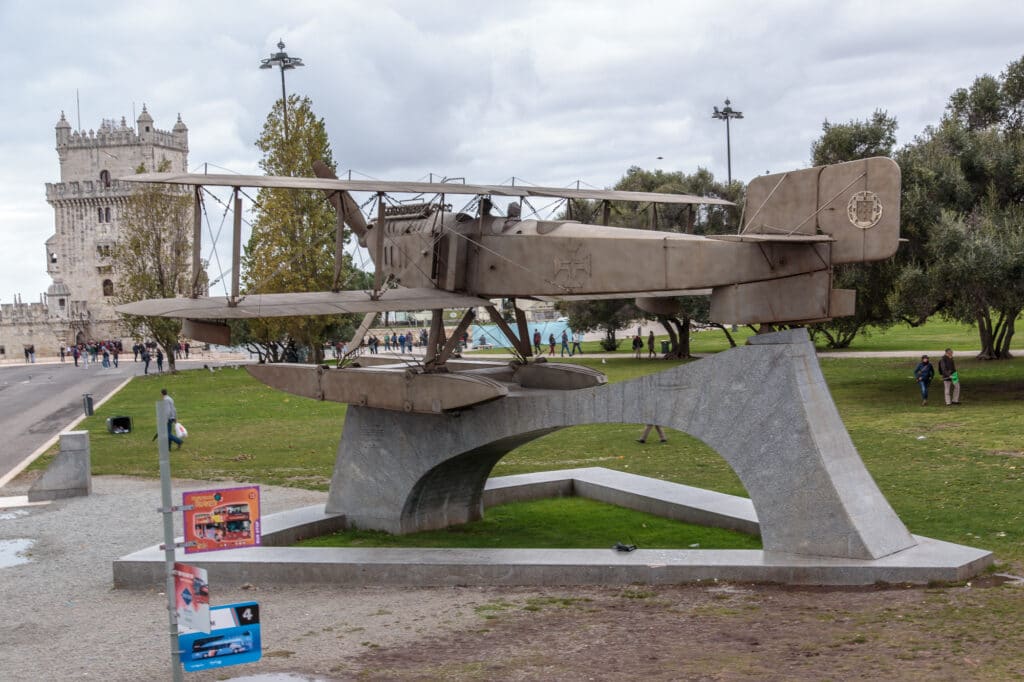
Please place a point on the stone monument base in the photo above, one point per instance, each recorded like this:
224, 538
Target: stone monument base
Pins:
70, 472
926, 561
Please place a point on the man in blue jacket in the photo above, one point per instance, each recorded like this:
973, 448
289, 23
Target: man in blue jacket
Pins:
923, 374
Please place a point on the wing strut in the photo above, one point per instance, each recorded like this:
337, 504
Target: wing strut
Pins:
436, 336
520, 344
453, 340
357, 338
197, 238
236, 248
524, 330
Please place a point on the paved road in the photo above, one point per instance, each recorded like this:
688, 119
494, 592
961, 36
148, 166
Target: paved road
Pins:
37, 401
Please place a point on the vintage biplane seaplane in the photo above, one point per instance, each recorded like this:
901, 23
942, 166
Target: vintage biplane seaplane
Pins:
777, 268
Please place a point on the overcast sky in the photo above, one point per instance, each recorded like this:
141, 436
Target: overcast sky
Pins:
548, 92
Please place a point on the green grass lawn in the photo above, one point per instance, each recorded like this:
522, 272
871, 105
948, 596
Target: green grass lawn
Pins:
955, 474
566, 522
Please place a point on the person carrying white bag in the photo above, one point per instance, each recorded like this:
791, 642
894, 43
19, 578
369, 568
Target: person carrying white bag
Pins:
175, 431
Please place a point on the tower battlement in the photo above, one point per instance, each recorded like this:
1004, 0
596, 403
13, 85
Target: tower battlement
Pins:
85, 190
23, 313
110, 135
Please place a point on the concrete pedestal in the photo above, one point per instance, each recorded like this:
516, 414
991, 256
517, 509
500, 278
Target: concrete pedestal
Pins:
764, 407
69, 474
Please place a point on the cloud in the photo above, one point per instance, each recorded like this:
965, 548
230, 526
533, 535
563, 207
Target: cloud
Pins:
550, 93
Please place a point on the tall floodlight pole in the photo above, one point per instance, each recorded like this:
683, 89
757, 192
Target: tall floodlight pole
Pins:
724, 115
282, 60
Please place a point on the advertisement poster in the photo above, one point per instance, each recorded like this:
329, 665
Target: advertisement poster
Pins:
192, 598
234, 639
222, 519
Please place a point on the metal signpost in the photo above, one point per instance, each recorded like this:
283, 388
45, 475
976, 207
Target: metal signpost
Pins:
167, 509
220, 635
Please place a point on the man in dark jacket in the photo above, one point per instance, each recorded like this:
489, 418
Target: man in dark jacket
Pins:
923, 374
950, 378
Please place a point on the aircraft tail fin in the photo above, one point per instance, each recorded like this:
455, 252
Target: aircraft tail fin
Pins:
857, 203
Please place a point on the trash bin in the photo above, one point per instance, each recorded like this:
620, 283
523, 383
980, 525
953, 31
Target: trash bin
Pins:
87, 404
665, 346
119, 424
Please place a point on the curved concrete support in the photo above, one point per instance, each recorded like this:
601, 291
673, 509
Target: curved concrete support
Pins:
764, 407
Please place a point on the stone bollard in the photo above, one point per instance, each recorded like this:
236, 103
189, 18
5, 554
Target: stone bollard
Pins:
69, 474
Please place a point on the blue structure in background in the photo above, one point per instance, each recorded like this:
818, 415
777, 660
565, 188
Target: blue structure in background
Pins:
492, 335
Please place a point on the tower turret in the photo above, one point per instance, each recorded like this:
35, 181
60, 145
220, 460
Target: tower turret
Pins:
180, 132
63, 130
145, 123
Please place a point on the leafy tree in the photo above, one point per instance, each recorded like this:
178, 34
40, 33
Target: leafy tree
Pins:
873, 282
153, 258
293, 234
611, 315
855, 140
963, 188
977, 272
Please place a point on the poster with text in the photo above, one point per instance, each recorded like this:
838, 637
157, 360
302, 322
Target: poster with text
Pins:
234, 639
222, 519
192, 598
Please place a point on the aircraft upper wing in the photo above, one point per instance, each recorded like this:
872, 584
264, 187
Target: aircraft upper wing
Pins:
300, 303
398, 187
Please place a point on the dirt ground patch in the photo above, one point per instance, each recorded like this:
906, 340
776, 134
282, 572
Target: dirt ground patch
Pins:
61, 600
727, 632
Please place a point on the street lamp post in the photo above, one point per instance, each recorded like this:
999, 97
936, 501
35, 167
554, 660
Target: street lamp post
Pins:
282, 60
724, 115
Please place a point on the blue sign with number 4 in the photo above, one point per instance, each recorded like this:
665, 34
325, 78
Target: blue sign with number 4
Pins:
234, 638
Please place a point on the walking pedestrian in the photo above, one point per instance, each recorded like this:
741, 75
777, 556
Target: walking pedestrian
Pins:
950, 378
647, 431
923, 374
172, 417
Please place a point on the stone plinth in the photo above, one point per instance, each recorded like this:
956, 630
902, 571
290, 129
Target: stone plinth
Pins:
764, 407
69, 474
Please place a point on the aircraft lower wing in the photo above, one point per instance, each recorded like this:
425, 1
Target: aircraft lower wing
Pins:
300, 303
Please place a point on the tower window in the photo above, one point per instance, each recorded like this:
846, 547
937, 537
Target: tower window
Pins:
99, 212
108, 288
106, 214
60, 302
105, 178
